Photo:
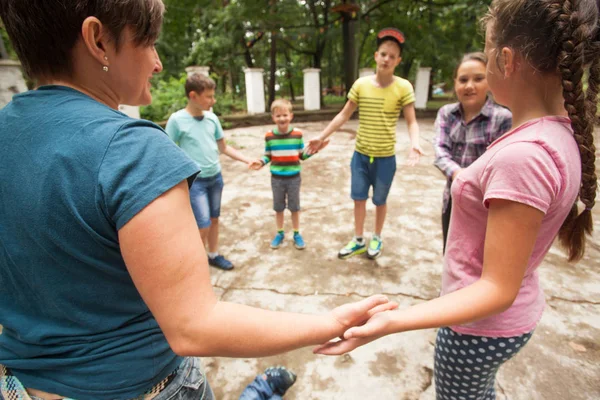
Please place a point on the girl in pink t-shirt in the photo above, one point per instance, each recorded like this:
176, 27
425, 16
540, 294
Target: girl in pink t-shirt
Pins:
512, 202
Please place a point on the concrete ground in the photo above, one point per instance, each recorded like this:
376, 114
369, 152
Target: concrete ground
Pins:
562, 361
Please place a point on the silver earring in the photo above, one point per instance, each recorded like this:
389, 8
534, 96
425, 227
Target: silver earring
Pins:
105, 68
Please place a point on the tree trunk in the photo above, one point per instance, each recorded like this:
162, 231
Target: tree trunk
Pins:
3, 52
350, 29
273, 54
288, 72
247, 54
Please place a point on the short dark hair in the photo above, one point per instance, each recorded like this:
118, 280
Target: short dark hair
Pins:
44, 32
198, 83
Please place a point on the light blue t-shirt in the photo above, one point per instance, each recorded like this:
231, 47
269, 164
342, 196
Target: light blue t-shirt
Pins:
74, 172
198, 138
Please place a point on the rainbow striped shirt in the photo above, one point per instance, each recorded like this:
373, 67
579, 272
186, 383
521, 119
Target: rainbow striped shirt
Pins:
284, 151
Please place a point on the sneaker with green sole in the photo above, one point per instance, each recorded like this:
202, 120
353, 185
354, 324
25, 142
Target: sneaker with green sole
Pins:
375, 247
352, 248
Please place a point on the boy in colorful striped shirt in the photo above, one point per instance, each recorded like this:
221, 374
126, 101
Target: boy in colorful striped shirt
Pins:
284, 148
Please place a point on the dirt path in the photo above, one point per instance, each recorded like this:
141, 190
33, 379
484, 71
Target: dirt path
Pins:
562, 361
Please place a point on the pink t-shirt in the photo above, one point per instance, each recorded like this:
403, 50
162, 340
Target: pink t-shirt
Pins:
537, 164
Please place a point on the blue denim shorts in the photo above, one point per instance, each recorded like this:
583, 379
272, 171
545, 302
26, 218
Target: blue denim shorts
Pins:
205, 195
372, 171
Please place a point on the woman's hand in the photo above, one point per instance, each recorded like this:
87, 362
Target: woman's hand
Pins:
374, 328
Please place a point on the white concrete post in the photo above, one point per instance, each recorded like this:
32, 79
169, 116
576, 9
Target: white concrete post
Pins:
255, 90
131, 111
422, 87
312, 89
366, 72
11, 81
196, 69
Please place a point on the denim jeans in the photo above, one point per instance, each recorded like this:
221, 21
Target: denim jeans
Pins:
205, 196
189, 383
259, 389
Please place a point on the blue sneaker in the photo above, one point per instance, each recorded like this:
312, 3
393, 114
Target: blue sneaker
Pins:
352, 248
375, 247
280, 379
298, 241
220, 262
276, 242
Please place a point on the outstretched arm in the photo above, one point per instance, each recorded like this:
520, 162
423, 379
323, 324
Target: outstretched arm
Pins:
165, 257
415, 153
232, 152
336, 123
510, 225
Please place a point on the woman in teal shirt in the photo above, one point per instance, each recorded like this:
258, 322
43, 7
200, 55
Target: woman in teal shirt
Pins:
106, 291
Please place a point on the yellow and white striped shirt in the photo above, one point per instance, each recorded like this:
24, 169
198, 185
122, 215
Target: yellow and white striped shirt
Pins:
379, 109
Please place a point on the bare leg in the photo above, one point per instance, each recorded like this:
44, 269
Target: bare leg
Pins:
213, 235
279, 220
380, 213
360, 212
204, 235
296, 220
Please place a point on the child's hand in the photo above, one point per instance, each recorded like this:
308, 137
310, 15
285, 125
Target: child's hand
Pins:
414, 155
255, 165
324, 144
374, 328
351, 315
315, 145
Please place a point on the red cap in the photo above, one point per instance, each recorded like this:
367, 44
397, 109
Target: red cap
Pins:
393, 34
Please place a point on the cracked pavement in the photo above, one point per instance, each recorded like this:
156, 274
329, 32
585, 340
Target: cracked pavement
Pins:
560, 362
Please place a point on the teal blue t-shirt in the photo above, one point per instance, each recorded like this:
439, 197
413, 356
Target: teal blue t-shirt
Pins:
74, 172
198, 138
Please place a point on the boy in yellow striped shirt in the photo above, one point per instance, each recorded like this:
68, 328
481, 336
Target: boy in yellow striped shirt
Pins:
379, 99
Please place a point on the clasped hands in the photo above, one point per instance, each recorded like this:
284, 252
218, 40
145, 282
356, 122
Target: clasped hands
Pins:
360, 323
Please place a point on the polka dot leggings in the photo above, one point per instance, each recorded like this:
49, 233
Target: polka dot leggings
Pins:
466, 366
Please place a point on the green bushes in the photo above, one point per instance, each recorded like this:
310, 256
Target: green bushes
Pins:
168, 96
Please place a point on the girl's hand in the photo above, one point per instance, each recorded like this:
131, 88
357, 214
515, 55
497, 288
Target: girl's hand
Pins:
376, 327
357, 313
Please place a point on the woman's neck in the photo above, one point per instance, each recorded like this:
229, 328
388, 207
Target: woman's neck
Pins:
96, 93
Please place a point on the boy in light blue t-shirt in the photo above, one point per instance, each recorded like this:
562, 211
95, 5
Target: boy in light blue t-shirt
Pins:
199, 133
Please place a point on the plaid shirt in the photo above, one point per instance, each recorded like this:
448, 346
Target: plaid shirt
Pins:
457, 144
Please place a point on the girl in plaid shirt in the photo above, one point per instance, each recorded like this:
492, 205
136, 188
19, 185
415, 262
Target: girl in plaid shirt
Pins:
465, 129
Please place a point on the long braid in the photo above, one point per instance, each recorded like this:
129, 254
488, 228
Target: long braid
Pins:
575, 40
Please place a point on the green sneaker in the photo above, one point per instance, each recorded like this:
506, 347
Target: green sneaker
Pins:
375, 247
351, 249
